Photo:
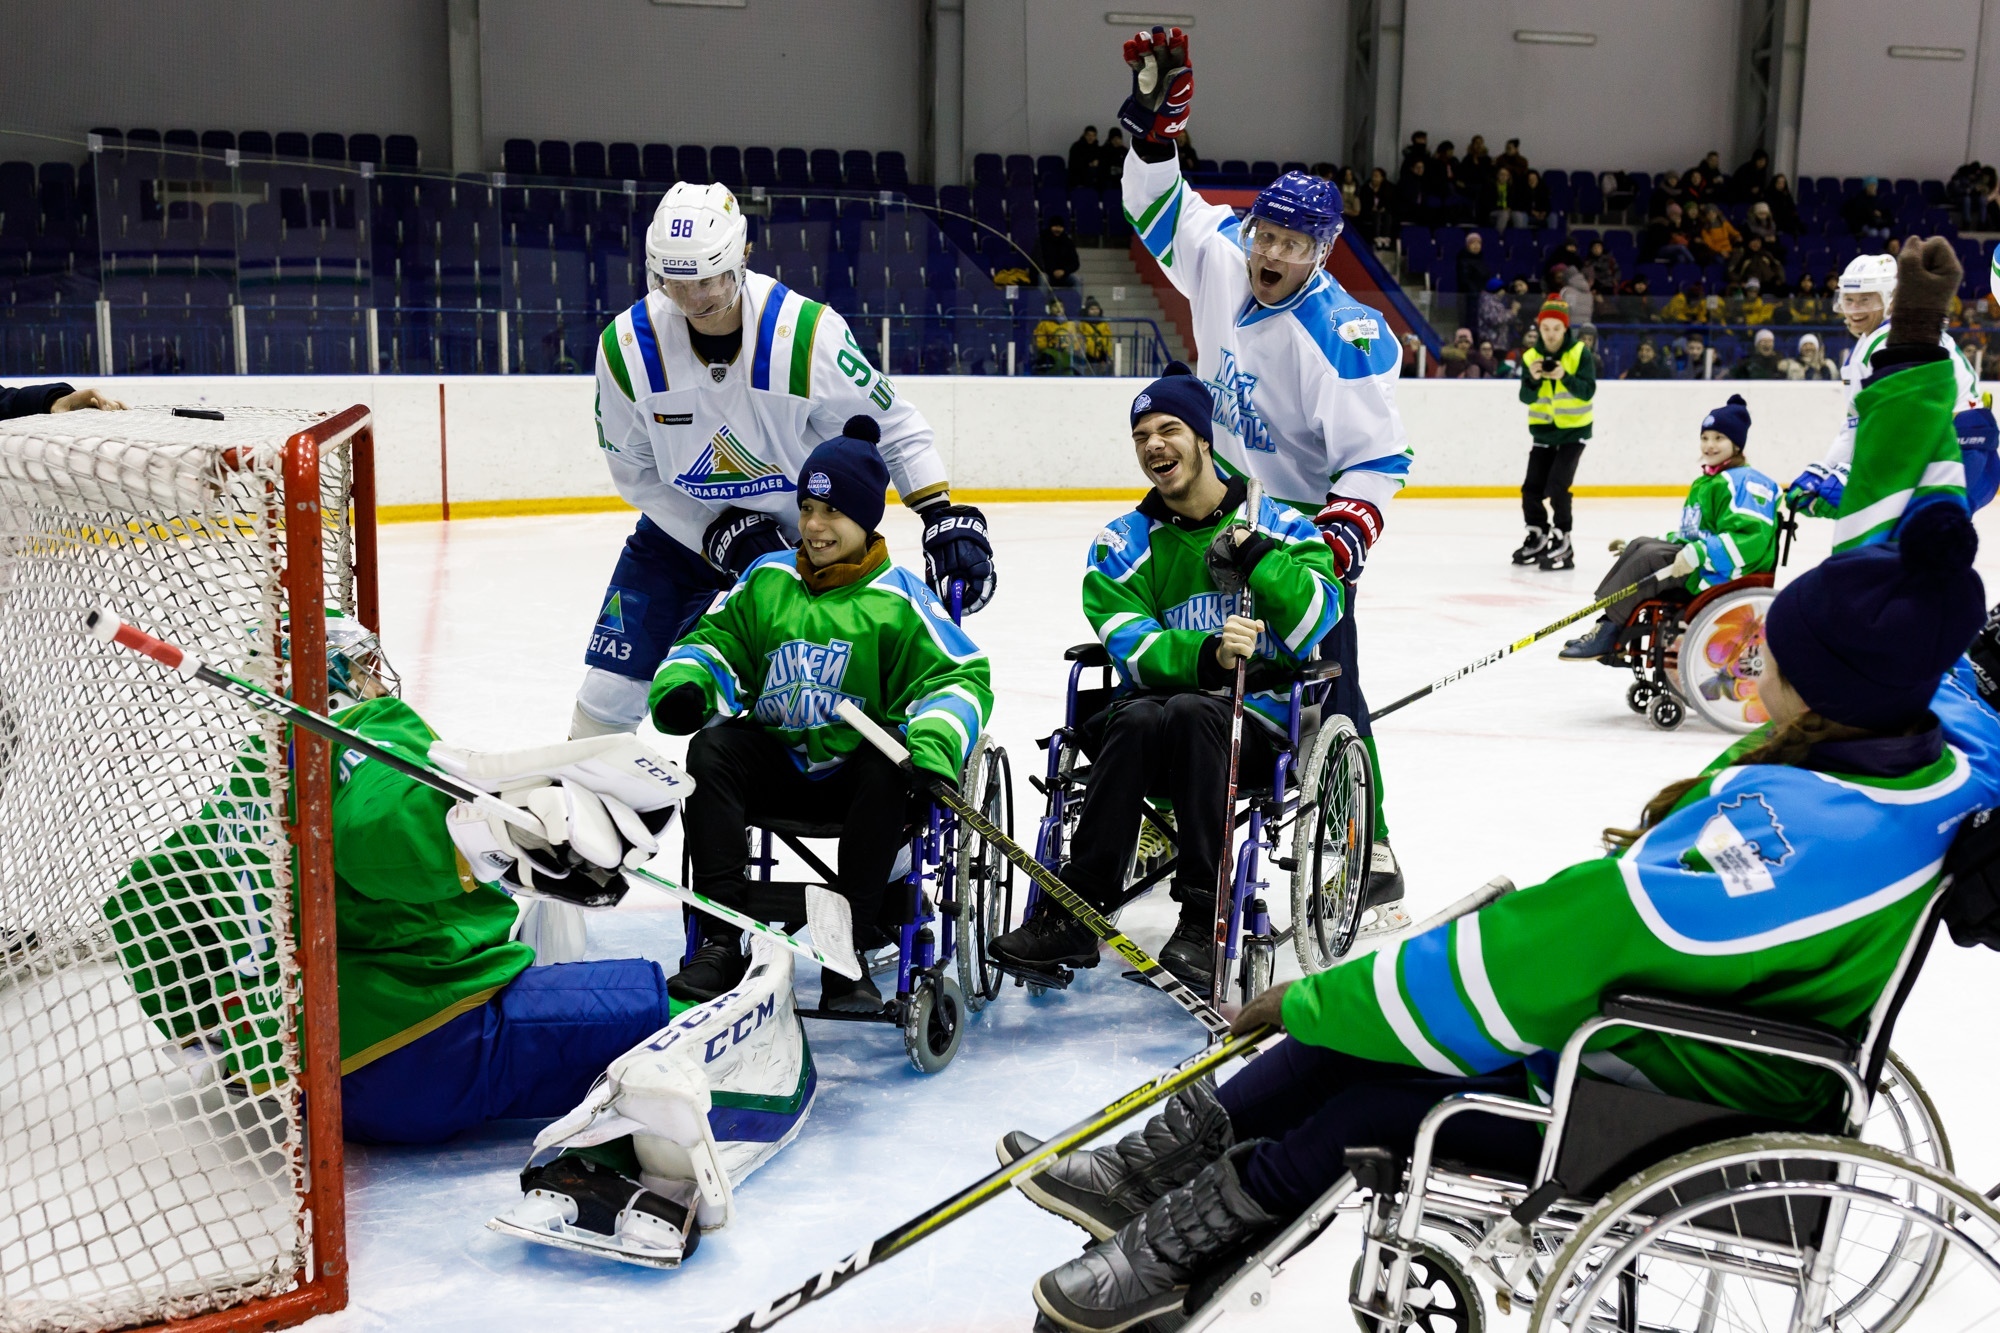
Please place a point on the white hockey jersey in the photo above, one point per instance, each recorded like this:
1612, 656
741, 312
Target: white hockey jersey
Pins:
1305, 392
1860, 364
685, 442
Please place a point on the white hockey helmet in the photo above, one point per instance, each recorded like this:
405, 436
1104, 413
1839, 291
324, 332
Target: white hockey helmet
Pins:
698, 231
1868, 273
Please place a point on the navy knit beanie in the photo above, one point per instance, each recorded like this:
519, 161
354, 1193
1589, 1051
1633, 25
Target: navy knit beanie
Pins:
848, 473
1179, 394
1732, 419
1865, 636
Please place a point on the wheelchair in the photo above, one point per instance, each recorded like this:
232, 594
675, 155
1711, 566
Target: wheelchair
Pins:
1318, 791
1651, 1212
1706, 654
953, 894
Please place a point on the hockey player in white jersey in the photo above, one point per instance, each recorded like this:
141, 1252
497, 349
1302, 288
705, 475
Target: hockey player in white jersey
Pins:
711, 391
1303, 375
1867, 285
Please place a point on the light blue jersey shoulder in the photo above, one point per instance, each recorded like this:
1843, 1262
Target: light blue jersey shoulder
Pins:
1355, 339
1753, 492
1121, 546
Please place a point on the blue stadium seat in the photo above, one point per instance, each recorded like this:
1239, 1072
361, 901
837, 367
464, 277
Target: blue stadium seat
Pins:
554, 157
1086, 211
399, 151
986, 169
825, 167
1234, 166
517, 157
621, 162
1051, 172
657, 163
586, 158
1020, 169
725, 166
857, 167
890, 171
691, 163
760, 168
1264, 171
792, 170
329, 147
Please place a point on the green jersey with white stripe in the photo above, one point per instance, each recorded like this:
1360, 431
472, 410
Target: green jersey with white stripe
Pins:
1906, 448
1731, 518
1150, 597
773, 649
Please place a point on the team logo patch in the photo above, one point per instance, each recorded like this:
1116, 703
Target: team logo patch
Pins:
719, 371
727, 470
1361, 332
1236, 407
674, 418
819, 484
1708, 421
1741, 842
801, 687
1142, 403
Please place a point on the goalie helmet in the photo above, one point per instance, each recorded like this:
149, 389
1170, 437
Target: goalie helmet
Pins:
698, 231
1869, 273
356, 667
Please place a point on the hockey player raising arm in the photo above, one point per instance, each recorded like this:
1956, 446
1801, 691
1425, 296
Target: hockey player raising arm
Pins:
711, 391
1788, 880
1303, 375
800, 632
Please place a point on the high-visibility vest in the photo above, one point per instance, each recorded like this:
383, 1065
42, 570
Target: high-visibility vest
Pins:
1554, 404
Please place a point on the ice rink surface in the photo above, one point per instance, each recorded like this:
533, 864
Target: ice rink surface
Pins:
1513, 770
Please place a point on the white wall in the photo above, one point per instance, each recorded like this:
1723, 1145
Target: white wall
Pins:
781, 73
1656, 91
1865, 113
372, 66
524, 438
1269, 76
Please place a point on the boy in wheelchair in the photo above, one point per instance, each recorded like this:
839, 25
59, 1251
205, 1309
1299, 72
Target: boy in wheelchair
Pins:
1789, 879
1728, 528
1158, 593
758, 679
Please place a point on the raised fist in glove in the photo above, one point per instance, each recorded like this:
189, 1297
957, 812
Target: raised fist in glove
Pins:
739, 536
956, 547
1162, 86
1927, 277
1350, 528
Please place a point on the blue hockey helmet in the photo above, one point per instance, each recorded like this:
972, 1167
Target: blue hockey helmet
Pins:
1301, 202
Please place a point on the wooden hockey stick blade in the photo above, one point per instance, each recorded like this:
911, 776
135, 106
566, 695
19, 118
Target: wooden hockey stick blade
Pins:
850, 967
991, 1186
1094, 921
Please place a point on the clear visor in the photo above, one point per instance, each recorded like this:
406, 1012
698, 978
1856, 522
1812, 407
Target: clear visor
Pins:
1858, 303
701, 298
1268, 240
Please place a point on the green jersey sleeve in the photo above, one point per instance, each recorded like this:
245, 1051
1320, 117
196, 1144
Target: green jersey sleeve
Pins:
716, 655
935, 678
389, 838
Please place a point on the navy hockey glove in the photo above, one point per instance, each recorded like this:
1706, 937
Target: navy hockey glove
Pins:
1350, 528
1818, 482
956, 547
1162, 86
733, 541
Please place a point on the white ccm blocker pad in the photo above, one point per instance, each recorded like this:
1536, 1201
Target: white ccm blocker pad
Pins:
706, 1100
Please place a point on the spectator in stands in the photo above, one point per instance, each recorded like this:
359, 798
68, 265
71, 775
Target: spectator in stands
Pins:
1525, 302
35, 399
1784, 208
1456, 359
1687, 306
1557, 263
1749, 181
1761, 224
1505, 366
1057, 346
1350, 195
1417, 150
1535, 198
1964, 195
1667, 190
1450, 202
1413, 202
1694, 359
1587, 335
1326, 171
1476, 170
1753, 306
1700, 189
1864, 213
1811, 362
1473, 270
1633, 304
1755, 263
1511, 159
1647, 364
1095, 333
1378, 208
1717, 238
1575, 293
1805, 304
1602, 266
1413, 357
1710, 168
1496, 312
1762, 363
1666, 239
1504, 205
1055, 253
1086, 161
1114, 157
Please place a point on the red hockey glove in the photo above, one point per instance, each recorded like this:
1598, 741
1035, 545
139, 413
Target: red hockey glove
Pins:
1162, 85
1350, 528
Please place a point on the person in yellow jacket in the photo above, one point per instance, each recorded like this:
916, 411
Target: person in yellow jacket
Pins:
1558, 380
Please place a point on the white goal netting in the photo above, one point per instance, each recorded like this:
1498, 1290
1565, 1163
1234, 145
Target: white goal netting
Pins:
151, 1128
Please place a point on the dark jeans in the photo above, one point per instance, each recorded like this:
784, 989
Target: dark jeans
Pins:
1641, 556
742, 771
1171, 745
1551, 468
1311, 1105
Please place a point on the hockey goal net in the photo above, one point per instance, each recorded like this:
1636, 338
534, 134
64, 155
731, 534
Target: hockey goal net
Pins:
169, 1056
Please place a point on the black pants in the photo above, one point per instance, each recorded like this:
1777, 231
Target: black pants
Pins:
1641, 556
1171, 745
742, 771
1311, 1105
1551, 469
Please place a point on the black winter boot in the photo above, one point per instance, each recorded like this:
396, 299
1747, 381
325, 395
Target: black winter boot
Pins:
1104, 1188
716, 968
1591, 647
1531, 546
1146, 1269
1190, 953
1048, 939
1557, 553
843, 996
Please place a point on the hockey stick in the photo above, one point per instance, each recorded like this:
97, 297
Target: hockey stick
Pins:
1225, 878
1515, 646
106, 627
939, 1215
1147, 966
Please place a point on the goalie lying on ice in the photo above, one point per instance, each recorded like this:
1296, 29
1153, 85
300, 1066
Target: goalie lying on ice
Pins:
651, 1157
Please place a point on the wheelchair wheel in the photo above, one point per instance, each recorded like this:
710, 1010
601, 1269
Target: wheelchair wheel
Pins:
1638, 696
1439, 1297
1904, 1118
1332, 837
1797, 1231
1665, 712
1259, 961
985, 878
1721, 658
934, 1025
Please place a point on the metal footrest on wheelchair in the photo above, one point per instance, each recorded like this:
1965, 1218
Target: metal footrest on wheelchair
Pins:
1057, 977
890, 1012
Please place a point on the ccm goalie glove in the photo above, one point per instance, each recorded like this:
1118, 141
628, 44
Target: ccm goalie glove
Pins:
1162, 86
956, 547
1350, 528
739, 537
